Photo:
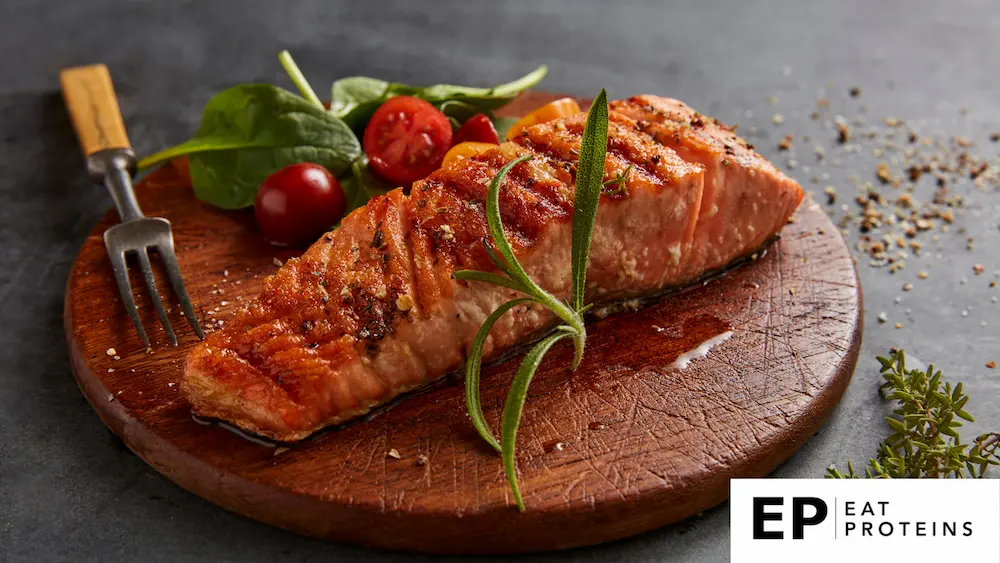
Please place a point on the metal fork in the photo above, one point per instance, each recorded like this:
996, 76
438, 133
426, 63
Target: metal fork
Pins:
93, 107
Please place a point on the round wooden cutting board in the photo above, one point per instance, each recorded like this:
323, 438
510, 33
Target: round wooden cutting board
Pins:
625, 444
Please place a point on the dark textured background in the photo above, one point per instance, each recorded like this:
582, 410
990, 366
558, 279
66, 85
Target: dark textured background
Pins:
69, 491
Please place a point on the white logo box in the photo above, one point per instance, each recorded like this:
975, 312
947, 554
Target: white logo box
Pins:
866, 519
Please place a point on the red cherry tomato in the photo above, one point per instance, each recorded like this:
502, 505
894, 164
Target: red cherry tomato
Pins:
298, 203
406, 140
477, 129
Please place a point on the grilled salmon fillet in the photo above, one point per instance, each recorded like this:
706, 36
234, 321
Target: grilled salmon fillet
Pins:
371, 311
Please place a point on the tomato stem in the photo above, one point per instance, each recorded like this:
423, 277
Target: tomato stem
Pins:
299, 79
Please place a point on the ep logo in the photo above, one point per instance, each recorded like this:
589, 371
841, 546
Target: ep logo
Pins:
836, 520
805, 511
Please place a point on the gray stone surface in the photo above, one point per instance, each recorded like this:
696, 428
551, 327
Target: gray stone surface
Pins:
69, 491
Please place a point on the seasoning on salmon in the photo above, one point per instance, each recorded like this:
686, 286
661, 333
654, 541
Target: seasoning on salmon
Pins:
371, 310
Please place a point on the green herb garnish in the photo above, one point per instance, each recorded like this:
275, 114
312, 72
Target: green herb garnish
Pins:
503, 124
249, 131
618, 184
589, 183
925, 440
355, 99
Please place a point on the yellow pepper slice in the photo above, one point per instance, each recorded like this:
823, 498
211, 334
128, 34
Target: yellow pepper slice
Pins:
552, 110
465, 150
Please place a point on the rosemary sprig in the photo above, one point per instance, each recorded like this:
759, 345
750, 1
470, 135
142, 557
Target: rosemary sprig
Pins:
924, 441
589, 184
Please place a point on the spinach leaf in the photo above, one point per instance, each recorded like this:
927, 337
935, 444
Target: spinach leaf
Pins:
457, 110
503, 124
355, 99
483, 99
249, 131
362, 185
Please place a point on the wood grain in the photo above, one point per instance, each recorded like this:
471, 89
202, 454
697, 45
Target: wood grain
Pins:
93, 108
623, 445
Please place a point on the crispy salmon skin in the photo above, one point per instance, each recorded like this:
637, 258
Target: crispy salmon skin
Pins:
371, 311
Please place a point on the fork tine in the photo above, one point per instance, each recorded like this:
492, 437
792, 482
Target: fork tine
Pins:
147, 272
174, 273
125, 289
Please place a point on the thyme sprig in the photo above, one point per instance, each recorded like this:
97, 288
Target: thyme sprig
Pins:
589, 185
925, 441
619, 182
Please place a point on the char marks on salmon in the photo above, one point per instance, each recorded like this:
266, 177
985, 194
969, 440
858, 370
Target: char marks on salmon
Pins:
371, 311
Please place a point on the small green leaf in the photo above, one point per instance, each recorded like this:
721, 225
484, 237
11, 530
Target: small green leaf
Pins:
589, 181
896, 425
473, 275
354, 99
503, 124
473, 367
902, 396
619, 183
886, 363
363, 185
900, 358
482, 98
458, 110
936, 380
515, 405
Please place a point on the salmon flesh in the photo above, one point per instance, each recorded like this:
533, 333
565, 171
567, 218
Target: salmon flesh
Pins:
371, 311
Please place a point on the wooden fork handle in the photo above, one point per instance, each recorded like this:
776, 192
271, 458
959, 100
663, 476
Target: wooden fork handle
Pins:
93, 107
